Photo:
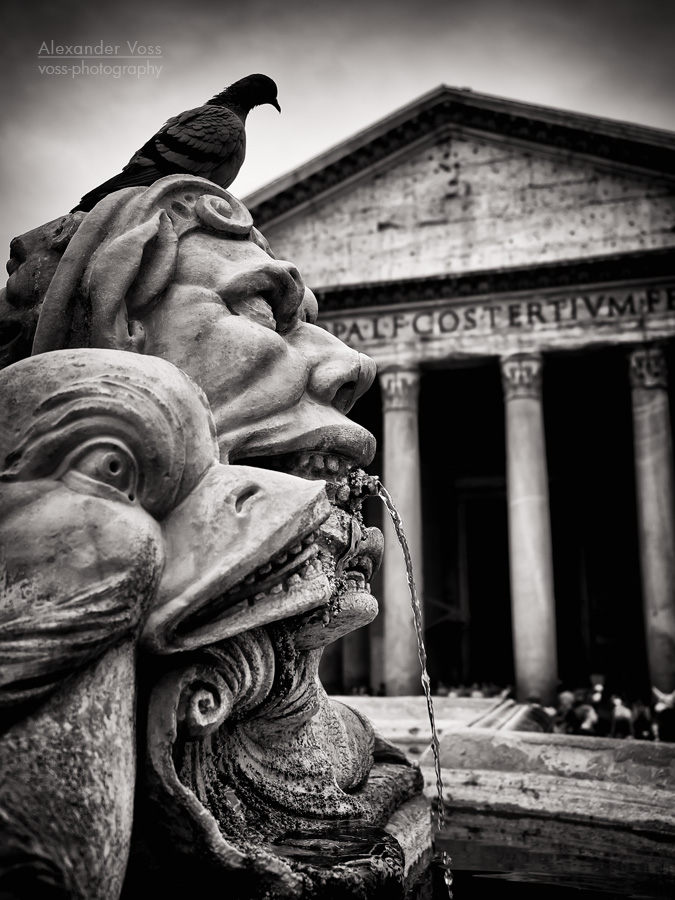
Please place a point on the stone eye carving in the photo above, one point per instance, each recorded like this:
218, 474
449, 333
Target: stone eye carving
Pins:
102, 467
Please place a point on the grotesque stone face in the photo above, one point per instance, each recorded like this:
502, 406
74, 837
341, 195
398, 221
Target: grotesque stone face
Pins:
245, 748
34, 258
241, 324
115, 515
178, 271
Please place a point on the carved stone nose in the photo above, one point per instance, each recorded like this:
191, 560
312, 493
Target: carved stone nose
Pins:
290, 291
341, 380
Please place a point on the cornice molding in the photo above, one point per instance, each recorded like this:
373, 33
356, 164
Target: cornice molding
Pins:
629, 267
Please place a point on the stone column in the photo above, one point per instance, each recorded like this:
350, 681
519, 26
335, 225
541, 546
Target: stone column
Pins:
531, 558
655, 485
401, 477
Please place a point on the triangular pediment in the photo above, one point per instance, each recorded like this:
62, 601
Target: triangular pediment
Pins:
458, 183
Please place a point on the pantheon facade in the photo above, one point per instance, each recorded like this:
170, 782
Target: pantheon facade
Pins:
511, 270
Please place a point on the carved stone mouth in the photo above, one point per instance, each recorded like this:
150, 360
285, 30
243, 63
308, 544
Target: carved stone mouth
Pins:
347, 485
244, 536
349, 552
289, 572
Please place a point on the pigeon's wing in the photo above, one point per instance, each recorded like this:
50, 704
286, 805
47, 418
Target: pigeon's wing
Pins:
141, 175
196, 141
209, 141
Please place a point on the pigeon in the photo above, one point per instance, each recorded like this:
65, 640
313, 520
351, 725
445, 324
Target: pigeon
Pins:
209, 141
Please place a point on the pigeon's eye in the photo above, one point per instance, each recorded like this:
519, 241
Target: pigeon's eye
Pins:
103, 467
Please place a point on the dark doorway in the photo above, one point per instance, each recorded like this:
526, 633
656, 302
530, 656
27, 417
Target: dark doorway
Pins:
484, 583
589, 441
466, 578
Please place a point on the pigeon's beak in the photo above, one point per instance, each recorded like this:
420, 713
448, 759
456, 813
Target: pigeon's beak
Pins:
275, 104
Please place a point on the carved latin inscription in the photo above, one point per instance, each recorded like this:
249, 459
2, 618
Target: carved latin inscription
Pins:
590, 310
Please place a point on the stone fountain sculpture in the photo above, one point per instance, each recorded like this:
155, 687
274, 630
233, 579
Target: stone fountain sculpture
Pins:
248, 771
106, 458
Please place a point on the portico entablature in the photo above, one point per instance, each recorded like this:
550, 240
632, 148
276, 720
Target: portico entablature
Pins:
532, 321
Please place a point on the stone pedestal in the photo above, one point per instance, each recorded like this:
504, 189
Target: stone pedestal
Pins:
655, 485
401, 476
531, 562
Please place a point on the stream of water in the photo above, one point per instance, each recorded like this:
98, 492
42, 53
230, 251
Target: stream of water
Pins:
444, 860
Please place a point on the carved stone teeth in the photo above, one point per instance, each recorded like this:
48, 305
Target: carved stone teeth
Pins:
309, 540
318, 462
280, 559
263, 570
295, 549
294, 579
276, 589
249, 578
371, 484
260, 596
303, 460
342, 493
332, 463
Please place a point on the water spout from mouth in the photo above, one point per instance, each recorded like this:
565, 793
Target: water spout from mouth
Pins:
375, 487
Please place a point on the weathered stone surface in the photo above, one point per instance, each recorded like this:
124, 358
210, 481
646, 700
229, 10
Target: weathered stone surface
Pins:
655, 486
465, 203
404, 721
539, 321
34, 257
530, 546
400, 391
246, 753
625, 783
104, 456
411, 826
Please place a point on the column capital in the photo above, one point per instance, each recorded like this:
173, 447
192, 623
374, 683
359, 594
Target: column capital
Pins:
400, 387
648, 368
521, 375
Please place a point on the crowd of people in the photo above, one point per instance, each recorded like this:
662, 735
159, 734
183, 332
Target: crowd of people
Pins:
593, 711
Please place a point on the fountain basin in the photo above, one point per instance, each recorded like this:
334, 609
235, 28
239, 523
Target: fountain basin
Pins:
526, 809
592, 814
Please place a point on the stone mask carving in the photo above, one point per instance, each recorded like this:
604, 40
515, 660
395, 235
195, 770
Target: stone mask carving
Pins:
104, 459
177, 271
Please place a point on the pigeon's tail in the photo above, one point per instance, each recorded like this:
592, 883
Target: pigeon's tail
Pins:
140, 177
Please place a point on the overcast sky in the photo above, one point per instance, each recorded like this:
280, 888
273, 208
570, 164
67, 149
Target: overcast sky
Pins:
340, 66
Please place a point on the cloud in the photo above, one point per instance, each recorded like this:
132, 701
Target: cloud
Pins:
339, 69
